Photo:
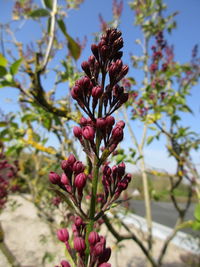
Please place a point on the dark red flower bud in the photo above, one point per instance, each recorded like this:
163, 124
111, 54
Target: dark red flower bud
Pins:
110, 121
54, 178
86, 68
76, 92
78, 221
64, 179
101, 123
123, 98
153, 67
71, 159
79, 244
80, 180
118, 90
164, 66
93, 238
83, 121
65, 264
88, 133
117, 134
104, 50
120, 124
128, 177
107, 170
104, 264
91, 60
63, 235
98, 249
95, 51
78, 167
77, 132
121, 169
97, 92
105, 256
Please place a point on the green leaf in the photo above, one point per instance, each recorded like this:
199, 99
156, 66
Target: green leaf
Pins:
3, 123
3, 61
15, 66
9, 78
197, 212
150, 139
5, 83
28, 117
195, 225
37, 13
73, 46
48, 3
3, 71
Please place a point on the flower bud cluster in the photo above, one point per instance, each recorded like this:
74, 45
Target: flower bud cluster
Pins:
111, 134
72, 180
8, 173
99, 254
106, 59
114, 181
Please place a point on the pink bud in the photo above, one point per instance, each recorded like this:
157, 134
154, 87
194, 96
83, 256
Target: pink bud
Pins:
79, 244
94, 49
107, 170
64, 179
101, 123
110, 121
117, 134
63, 235
104, 264
98, 249
93, 238
77, 132
79, 221
54, 178
71, 159
80, 180
65, 264
88, 133
86, 68
78, 167
153, 67
83, 121
120, 124
97, 92
121, 169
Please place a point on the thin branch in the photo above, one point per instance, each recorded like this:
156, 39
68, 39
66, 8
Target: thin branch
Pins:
51, 36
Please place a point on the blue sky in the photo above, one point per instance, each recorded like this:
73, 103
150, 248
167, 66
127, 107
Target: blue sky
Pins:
85, 22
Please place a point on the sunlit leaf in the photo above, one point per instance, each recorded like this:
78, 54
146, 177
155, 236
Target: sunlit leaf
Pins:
15, 66
3, 61
73, 46
39, 13
48, 3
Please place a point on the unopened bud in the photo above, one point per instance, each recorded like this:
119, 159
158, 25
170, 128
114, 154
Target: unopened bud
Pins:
63, 235
79, 244
77, 132
80, 180
93, 238
54, 178
88, 133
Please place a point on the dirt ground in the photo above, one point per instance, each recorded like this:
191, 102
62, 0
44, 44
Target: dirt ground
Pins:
29, 238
